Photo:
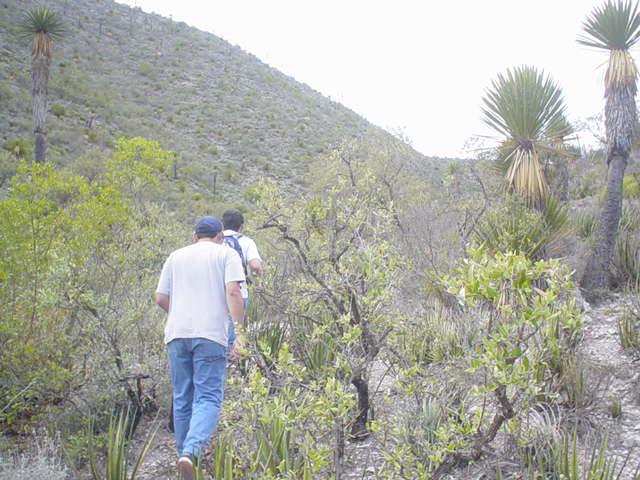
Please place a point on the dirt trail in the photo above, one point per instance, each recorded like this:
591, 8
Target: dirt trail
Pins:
612, 373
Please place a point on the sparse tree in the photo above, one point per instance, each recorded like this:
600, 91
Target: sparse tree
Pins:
614, 27
42, 26
525, 106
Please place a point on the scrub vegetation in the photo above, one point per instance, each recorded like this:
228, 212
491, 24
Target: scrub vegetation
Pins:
418, 318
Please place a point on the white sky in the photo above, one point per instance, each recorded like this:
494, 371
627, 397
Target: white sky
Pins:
416, 66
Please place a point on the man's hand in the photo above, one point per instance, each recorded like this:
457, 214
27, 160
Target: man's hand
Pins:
239, 347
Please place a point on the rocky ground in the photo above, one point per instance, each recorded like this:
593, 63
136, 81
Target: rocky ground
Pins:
612, 376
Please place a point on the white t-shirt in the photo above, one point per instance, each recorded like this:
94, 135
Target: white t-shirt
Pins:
249, 252
194, 277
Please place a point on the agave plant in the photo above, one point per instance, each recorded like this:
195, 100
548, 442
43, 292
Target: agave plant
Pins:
613, 27
527, 108
563, 460
117, 464
42, 26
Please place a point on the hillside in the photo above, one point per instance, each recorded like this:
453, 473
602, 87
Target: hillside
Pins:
120, 71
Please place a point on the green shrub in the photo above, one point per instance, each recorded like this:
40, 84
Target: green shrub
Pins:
629, 330
58, 110
629, 218
626, 261
440, 335
5, 93
564, 459
585, 224
573, 381
614, 407
588, 184
117, 458
512, 227
224, 459
630, 186
20, 147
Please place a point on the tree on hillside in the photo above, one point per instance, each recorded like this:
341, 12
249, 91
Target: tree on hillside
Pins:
614, 27
346, 271
526, 107
42, 26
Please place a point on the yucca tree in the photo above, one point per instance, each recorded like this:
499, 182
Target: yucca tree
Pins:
42, 26
526, 107
614, 27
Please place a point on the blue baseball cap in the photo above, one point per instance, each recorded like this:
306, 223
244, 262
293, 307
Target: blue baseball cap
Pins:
208, 225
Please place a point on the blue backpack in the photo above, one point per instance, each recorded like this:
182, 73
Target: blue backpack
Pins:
232, 241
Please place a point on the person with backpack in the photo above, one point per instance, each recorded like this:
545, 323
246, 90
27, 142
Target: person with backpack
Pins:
199, 288
233, 221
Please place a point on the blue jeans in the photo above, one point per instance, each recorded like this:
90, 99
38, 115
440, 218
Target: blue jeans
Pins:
231, 330
197, 377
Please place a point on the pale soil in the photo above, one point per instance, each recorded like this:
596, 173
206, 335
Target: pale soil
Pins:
613, 373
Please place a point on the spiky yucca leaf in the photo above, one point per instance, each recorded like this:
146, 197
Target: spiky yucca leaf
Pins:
526, 107
43, 26
559, 129
615, 26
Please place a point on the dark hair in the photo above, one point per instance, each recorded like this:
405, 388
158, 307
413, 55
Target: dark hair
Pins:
206, 235
232, 220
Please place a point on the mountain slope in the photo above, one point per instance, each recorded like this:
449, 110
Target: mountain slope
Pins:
120, 71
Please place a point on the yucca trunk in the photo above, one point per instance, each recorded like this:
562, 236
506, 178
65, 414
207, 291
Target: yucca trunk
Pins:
40, 65
620, 118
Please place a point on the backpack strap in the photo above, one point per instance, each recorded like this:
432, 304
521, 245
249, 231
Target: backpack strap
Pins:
232, 241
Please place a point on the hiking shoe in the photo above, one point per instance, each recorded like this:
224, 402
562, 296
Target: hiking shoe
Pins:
185, 467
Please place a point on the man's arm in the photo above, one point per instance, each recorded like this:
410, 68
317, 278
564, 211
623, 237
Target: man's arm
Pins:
234, 303
163, 300
253, 257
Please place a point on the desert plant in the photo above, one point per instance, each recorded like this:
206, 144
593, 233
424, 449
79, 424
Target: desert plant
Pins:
20, 147
224, 459
573, 382
318, 353
585, 224
629, 330
511, 227
336, 238
42, 25
629, 218
626, 262
613, 27
631, 185
614, 407
527, 108
439, 335
58, 110
520, 299
41, 461
562, 459
117, 461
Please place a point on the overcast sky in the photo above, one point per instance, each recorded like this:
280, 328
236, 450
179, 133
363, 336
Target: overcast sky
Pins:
418, 67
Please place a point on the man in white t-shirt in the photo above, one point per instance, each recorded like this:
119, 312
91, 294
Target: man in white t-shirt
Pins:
233, 221
199, 288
